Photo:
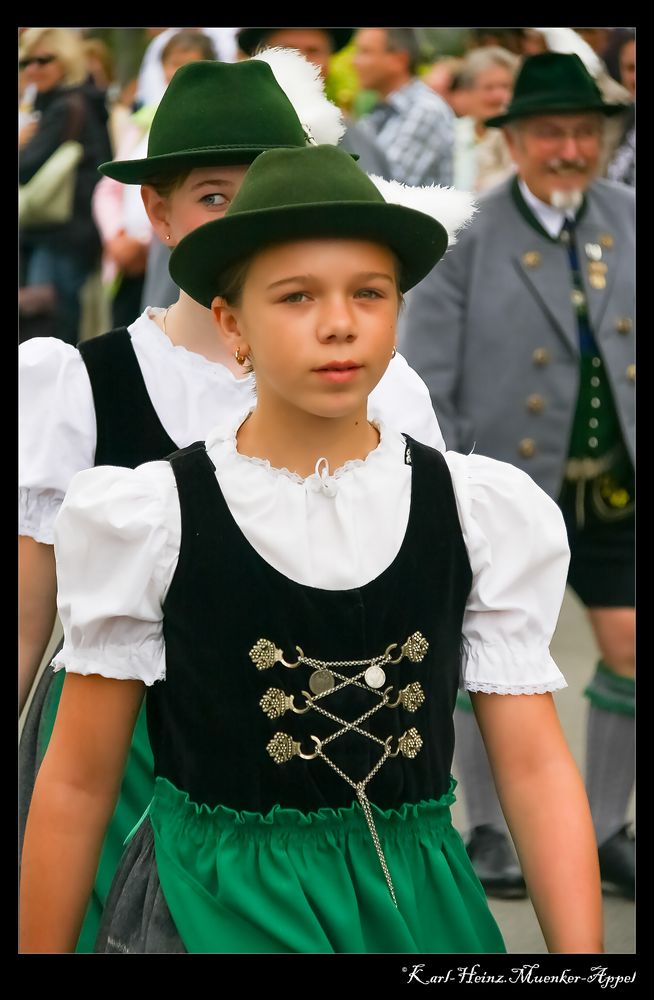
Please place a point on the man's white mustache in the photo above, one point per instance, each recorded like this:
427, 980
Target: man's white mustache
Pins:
559, 166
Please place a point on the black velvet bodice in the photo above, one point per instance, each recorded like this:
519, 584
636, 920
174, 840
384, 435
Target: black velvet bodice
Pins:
129, 431
208, 731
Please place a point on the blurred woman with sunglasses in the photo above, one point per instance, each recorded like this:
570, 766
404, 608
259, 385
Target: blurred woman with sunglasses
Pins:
69, 106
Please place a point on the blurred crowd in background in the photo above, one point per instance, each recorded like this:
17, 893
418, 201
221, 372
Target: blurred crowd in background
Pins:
101, 86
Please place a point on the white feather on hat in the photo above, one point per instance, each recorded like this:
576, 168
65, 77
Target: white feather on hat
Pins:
453, 209
568, 42
301, 82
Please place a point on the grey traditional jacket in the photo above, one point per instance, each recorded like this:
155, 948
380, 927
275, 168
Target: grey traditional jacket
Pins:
493, 332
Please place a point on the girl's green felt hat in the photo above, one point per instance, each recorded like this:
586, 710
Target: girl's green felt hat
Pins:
213, 114
309, 193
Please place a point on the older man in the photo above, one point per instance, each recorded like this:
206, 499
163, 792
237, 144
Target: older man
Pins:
525, 337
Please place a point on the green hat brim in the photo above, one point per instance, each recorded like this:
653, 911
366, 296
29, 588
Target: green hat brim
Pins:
197, 263
139, 171
532, 109
249, 39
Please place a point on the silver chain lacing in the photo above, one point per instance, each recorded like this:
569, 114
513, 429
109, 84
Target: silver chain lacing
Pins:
264, 654
360, 789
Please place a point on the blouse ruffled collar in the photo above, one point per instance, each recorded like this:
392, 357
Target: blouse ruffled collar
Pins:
320, 481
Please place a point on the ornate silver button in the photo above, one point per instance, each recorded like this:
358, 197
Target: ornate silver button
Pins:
375, 677
321, 681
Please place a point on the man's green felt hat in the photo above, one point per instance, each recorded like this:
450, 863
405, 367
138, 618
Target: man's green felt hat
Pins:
554, 83
214, 114
249, 39
296, 194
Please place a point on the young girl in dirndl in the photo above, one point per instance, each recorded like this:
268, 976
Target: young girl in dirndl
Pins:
299, 634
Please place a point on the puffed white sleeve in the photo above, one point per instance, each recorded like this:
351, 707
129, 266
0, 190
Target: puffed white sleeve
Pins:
518, 552
401, 399
117, 540
56, 431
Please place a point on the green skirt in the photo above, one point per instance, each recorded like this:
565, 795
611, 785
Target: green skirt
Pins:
290, 882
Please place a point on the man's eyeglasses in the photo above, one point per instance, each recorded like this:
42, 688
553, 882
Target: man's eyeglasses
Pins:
554, 134
39, 60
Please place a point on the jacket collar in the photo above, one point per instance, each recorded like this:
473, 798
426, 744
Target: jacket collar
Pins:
529, 216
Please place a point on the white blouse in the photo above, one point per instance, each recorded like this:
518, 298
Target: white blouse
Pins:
190, 394
117, 541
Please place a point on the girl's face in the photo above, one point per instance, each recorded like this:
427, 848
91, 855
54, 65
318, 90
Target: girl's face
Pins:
206, 194
317, 318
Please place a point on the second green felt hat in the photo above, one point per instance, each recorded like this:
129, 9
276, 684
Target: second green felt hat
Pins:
213, 114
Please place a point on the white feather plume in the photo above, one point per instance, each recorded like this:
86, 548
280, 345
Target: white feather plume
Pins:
301, 82
568, 42
453, 209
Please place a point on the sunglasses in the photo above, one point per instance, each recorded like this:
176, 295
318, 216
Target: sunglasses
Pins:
39, 60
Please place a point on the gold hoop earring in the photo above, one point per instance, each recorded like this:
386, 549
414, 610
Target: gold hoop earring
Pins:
393, 353
240, 358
